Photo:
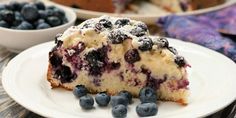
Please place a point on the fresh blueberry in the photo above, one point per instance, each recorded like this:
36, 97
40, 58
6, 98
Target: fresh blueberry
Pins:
18, 19
132, 56
86, 102
40, 5
49, 12
39, 21
146, 43
80, 90
117, 37
105, 23
9, 7
51, 7
7, 16
164, 42
22, 4
119, 111
116, 100
42, 14
122, 22
58, 13
173, 50
53, 21
179, 60
4, 24
2, 7
25, 26
146, 109
147, 95
102, 99
64, 20
139, 30
15, 5
30, 12
126, 94
43, 26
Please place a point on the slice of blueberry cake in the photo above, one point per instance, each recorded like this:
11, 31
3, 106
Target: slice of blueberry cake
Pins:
114, 54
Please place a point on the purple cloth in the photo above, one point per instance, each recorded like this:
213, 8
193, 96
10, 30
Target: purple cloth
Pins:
203, 29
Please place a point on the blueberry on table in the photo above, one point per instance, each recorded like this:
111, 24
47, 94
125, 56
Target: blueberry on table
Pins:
43, 26
86, 102
25, 26
7, 16
116, 100
126, 94
30, 12
4, 24
80, 90
102, 99
119, 111
40, 5
146, 109
53, 21
147, 95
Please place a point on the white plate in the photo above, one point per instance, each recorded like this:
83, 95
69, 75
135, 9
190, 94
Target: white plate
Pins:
148, 17
212, 85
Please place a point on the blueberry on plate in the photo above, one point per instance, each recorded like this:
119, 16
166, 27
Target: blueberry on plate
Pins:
7, 16
132, 56
40, 5
116, 100
147, 95
30, 12
43, 26
86, 102
54, 21
146, 43
122, 22
25, 26
80, 91
4, 24
126, 94
117, 36
173, 50
179, 60
102, 99
119, 111
146, 109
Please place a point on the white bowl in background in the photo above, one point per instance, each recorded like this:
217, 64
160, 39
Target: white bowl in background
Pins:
19, 40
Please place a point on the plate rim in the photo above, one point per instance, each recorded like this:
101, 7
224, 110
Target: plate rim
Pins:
16, 98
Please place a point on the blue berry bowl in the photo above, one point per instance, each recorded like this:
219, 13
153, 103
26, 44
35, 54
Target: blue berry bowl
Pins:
17, 40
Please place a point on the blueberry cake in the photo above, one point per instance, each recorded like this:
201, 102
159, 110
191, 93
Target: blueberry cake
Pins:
186, 5
110, 6
114, 54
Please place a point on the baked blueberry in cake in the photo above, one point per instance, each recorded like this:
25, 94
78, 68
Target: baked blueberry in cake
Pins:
117, 54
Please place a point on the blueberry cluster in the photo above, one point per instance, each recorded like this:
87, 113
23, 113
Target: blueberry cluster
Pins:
119, 102
29, 16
